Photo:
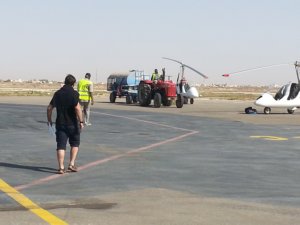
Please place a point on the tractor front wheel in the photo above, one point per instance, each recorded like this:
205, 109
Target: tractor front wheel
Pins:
157, 100
179, 101
166, 102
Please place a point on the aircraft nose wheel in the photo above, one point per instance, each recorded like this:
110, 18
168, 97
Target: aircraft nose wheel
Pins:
291, 111
267, 110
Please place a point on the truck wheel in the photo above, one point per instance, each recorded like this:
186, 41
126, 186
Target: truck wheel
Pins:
128, 99
179, 101
134, 99
112, 97
157, 100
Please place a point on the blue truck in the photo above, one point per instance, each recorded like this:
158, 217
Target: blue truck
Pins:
125, 85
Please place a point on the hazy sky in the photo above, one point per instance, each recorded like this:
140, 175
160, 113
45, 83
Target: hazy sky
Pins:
51, 38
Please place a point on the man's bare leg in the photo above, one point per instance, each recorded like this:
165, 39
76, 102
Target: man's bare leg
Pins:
60, 158
73, 156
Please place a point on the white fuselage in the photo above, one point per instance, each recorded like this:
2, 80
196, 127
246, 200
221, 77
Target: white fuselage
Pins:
189, 93
267, 100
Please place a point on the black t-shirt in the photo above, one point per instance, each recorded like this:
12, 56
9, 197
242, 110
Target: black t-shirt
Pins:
65, 101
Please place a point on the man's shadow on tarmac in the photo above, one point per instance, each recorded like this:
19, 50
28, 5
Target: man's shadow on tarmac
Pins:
34, 168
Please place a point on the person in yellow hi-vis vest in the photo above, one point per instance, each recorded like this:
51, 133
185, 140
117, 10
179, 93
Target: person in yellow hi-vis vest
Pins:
86, 99
155, 76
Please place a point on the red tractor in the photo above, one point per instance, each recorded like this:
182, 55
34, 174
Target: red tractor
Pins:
161, 91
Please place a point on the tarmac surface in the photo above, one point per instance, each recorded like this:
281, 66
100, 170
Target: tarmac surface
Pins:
207, 163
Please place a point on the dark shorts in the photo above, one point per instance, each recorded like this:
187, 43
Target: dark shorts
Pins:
63, 133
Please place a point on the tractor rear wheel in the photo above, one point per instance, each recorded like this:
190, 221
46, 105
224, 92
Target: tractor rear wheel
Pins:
157, 100
144, 94
179, 101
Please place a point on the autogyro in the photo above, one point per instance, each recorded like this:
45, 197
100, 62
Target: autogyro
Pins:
182, 86
288, 96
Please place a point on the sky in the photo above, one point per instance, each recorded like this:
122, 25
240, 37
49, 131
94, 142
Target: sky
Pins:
52, 38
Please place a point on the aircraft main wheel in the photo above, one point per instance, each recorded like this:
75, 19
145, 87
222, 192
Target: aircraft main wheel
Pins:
291, 111
267, 110
157, 100
185, 100
112, 97
192, 101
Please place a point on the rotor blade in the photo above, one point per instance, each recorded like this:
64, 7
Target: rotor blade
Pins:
196, 71
256, 68
191, 68
173, 60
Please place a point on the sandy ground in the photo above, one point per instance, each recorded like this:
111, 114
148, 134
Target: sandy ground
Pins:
149, 206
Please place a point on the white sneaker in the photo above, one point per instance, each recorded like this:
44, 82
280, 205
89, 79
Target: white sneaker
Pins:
88, 124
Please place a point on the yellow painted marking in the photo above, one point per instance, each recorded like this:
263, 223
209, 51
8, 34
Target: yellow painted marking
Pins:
28, 204
271, 138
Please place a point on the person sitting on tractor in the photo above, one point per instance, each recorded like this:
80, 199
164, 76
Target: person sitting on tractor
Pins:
155, 76
183, 83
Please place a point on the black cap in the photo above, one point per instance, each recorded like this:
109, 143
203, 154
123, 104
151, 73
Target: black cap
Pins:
87, 75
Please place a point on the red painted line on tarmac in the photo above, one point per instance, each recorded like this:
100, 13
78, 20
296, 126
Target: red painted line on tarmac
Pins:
39, 181
102, 161
114, 157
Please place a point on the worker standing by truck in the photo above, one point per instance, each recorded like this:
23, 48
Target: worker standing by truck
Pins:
86, 99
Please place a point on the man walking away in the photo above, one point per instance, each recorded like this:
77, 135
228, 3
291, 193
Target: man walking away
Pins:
68, 122
86, 99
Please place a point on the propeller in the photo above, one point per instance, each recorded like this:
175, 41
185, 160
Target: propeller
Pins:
184, 65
